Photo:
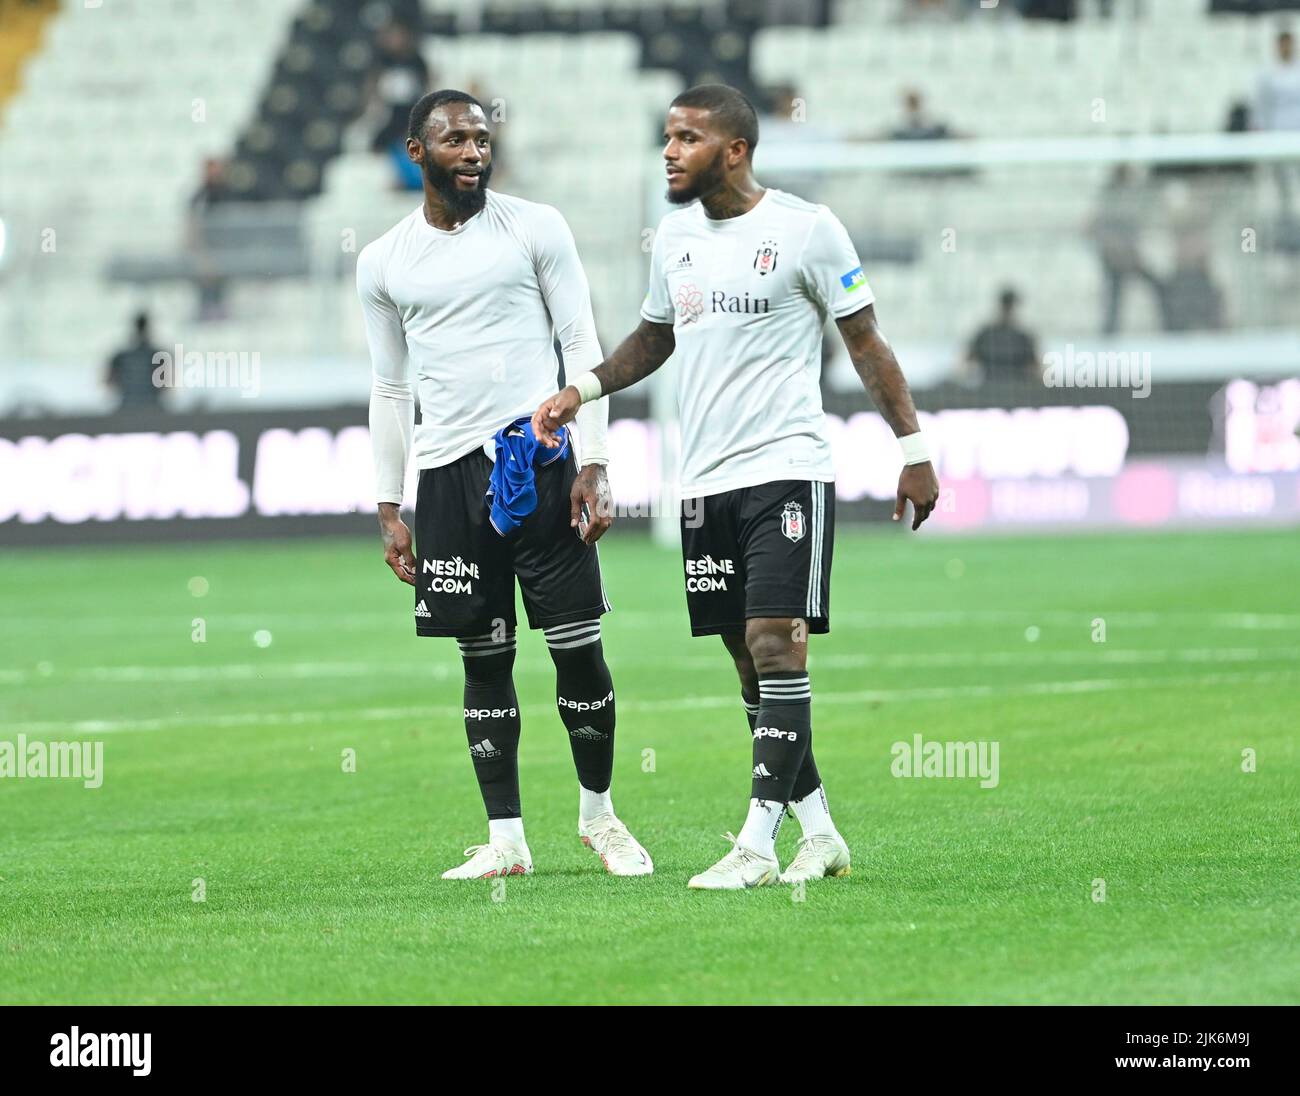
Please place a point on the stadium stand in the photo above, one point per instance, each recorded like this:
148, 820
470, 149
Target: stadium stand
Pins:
284, 111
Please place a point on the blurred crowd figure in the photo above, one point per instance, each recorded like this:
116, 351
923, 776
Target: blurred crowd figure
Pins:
785, 119
129, 375
1277, 108
398, 77
917, 124
1061, 10
1122, 209
212, 191
1188, 298
1003, 349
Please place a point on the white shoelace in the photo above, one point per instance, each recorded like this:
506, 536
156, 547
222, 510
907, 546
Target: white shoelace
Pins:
614, 835
806, 850
739, 854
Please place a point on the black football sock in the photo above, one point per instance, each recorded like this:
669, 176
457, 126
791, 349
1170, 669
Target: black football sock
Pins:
584, 693
782, 734
492, 720
809, 779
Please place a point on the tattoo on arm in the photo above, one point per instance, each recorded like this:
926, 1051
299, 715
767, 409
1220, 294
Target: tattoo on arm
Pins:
874, 360
637, 356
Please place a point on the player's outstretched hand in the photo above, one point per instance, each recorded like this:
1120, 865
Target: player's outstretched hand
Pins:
397, 543
919, 485
553, 414
591, 489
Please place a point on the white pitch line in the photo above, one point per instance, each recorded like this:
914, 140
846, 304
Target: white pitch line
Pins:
398, 619
448, 671
432, 712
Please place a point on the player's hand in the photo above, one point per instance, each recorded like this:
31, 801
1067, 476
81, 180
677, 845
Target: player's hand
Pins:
554, 413
591, 487
919, 485
397, 543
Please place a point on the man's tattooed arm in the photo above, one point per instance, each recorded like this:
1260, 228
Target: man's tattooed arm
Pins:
637, 356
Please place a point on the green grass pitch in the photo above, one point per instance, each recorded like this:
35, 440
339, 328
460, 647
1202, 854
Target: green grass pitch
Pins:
1119, 761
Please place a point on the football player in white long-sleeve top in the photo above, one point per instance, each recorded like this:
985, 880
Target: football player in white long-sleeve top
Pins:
470, 292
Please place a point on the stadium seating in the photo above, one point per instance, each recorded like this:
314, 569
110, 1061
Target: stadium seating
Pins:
278, 96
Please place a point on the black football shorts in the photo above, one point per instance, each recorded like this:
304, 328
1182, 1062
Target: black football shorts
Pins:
465, 570
762, 551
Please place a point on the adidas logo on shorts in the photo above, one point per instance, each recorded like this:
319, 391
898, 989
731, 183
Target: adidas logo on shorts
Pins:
589, 733
422, 610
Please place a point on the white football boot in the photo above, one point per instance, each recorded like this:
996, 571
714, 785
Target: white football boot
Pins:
740, 869
819, 855
620, 852
497, 857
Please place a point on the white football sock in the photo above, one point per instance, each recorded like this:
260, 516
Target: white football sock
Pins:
759, 831
813, 813
508, 829
593, 804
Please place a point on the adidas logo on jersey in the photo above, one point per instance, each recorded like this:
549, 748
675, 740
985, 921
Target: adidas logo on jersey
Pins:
588, 733
775, 732
684, 263
483, 750
585, 705
761, 772
422, 610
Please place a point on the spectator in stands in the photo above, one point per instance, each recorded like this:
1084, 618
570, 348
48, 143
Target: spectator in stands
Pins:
398, 77
785, 124
1116, 228
1189, 298
212, 191
1060, 10
934, 11
917, 125
1277, 107
130, 371
786, 119
1003, 349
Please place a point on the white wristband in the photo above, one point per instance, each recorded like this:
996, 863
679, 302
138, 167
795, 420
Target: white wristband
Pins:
915, 451
588, 386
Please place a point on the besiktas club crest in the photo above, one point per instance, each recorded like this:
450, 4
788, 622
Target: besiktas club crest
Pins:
765, 258
792, 523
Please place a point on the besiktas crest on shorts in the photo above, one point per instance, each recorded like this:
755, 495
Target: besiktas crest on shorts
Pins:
792, 523
765, 258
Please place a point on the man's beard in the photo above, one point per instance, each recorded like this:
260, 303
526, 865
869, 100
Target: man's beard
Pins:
707, 181
462, 204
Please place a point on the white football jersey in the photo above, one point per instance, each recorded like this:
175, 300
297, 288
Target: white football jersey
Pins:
476, 312
748, 298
